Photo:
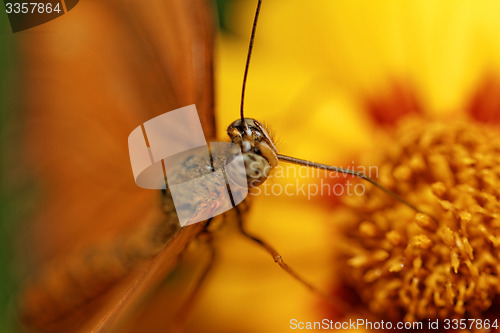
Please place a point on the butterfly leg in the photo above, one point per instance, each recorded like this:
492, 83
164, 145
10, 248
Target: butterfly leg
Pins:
340, 305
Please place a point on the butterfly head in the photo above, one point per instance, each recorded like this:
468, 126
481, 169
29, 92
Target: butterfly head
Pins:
259, 151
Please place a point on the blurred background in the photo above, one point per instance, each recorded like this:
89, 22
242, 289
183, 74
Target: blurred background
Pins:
12, 211
329, 78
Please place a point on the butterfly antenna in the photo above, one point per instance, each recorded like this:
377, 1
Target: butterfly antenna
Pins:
358, 174
249, 56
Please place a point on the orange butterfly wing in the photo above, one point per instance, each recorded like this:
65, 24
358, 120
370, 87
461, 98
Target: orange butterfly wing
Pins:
91, 77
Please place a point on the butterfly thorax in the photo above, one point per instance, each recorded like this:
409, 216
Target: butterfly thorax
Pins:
259, 151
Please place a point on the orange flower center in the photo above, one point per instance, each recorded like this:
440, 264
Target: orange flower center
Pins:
407, 266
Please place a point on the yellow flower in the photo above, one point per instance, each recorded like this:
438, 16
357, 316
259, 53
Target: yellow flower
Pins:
332, 78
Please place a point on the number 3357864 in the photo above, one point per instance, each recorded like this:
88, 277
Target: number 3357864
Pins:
32, 7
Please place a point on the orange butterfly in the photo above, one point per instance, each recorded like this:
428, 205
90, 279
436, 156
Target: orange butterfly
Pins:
95, 229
